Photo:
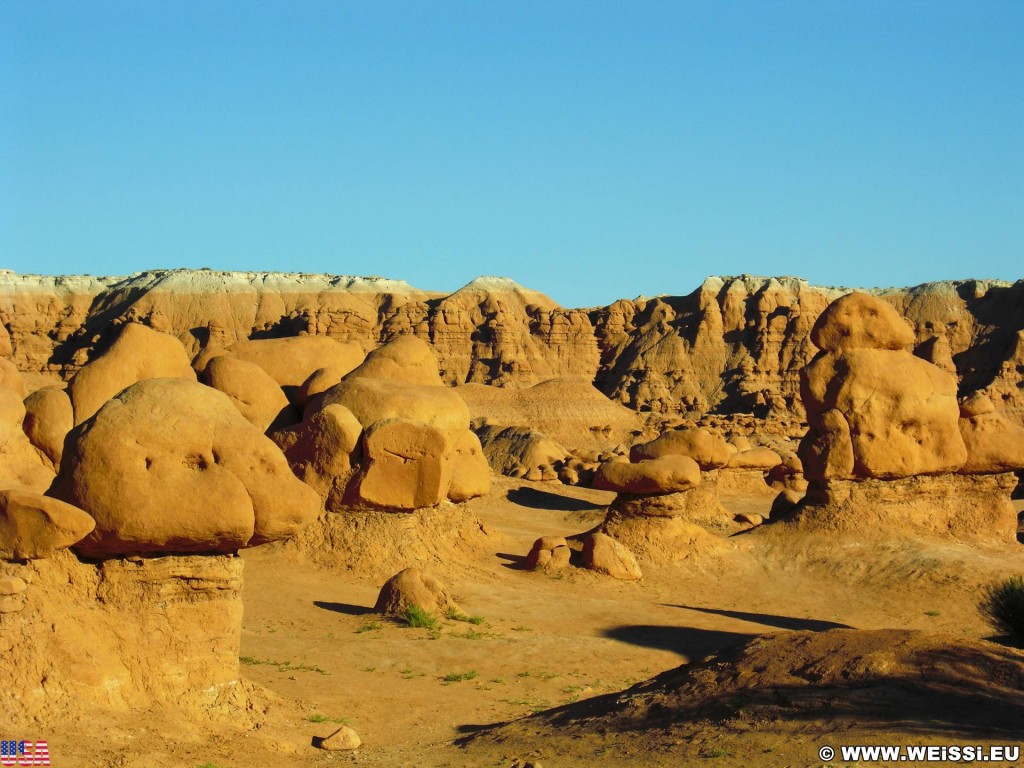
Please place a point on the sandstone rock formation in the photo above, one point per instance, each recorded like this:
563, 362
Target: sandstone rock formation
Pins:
603, 554
708, 450
139, 353
33, 526
734, 345
885, 443
410, 588
875, 411
415, 449
255, 394
549, 553
21, 464
666, 474
568, 411
48, 419
994, 443
288, 361
522, 452
169, 465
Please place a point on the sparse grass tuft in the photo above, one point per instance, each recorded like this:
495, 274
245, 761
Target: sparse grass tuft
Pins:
459, 677
933, 614
1002, 605
417, 617
282, 666
521, 628
371, 626
717, 752
455, 615
325, 719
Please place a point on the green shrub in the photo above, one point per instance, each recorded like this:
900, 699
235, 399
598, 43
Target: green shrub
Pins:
417, 617
1002, 605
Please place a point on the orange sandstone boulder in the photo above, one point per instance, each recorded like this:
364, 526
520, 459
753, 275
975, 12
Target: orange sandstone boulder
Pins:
256, 395
605, 555
372, 400
34, 526
21, 464
666, 474
471, 474
139, 353
318, 382
407, 359
994, 443
10, 378
414, 588
170, 465
291, 360
861, 321
709, 450
406, 464
901, 412
48, 419
323, 449
755, 458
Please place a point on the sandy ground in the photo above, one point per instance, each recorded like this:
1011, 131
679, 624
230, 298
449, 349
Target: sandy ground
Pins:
542, 641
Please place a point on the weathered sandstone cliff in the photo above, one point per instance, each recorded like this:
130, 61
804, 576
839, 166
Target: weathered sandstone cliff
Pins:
734, 345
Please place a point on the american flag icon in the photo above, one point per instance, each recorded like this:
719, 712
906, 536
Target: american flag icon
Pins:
24, 753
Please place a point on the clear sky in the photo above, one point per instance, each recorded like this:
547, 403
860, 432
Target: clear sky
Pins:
591, 150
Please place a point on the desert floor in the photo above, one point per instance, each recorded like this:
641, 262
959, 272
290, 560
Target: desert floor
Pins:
309, 639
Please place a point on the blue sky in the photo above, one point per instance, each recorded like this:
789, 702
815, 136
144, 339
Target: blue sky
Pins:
592, 150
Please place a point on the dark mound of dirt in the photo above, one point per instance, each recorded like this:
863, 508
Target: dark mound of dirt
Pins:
787, 692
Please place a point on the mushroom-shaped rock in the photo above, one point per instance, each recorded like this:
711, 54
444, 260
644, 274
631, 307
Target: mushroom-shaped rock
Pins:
21, 465
372, 400
407, 359
291, 360
406, 464
254, 393
170, 465
665, 474
413, 587
861, 321
323, 448
549, 553
471, 474
139, 353
605, 555
709, 450
48, 419
755, 458
34, 526
994, 443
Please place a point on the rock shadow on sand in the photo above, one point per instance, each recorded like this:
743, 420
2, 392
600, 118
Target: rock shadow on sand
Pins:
525, 496
345, 608
690, 643
768, 619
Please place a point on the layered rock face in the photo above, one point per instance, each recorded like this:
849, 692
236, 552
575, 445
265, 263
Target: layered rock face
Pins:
735, 345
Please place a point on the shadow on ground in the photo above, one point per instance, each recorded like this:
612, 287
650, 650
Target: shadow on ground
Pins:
346, 608
525, 496
768, 619
689, 642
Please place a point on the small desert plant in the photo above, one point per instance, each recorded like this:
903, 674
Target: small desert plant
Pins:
458, 677
1002, 605
417, 617
369, 627
326, 719
456, 615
